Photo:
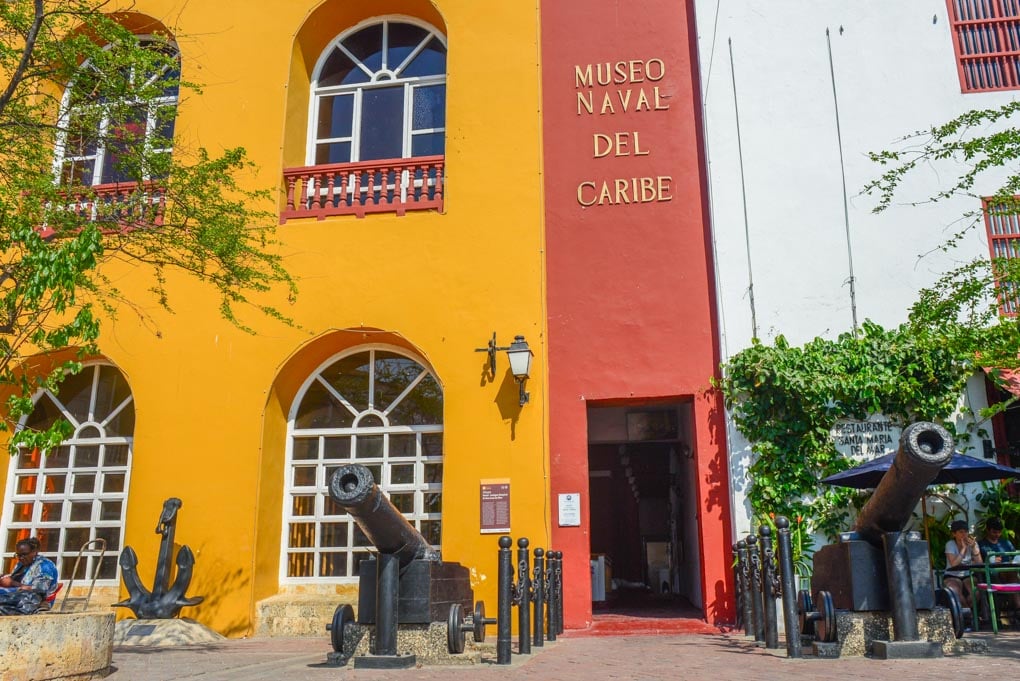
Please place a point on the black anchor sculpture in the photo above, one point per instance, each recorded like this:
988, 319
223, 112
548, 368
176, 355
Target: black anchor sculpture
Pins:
164, 601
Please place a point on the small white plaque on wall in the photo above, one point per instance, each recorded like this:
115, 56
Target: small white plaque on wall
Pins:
570, 509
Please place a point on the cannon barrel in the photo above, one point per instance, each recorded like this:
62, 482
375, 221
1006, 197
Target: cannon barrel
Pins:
353, 487
925, 448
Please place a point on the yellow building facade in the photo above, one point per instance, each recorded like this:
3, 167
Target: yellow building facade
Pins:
396, 292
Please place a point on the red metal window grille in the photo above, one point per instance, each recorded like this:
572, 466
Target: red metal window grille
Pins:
1003, 227
986, 37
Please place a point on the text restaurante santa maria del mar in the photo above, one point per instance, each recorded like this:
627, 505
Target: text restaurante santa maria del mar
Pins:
621, 88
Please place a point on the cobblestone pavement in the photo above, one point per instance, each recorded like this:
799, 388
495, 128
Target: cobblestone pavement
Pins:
719, 657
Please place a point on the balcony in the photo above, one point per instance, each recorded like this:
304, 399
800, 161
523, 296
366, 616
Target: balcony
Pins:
384, 186
122, 206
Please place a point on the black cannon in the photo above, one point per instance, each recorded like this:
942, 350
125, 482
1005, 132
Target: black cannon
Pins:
878, 566
406, 582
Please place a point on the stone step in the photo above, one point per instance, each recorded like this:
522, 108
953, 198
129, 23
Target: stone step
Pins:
296, 614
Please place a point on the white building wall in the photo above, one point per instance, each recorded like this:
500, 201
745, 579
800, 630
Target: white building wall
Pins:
895, 72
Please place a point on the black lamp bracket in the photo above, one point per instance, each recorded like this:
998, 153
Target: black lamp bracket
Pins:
492, 349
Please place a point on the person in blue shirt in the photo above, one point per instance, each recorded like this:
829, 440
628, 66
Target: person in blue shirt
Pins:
33, 572
994, 541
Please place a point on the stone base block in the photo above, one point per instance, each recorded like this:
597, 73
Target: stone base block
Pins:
427, 642
69, 646
905, 650
163, 633
856, 632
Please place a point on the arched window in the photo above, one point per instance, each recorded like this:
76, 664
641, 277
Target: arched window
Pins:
379, 92
375, 407
98, 134
77, 492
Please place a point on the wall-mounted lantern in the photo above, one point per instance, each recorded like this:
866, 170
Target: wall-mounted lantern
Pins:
519, 355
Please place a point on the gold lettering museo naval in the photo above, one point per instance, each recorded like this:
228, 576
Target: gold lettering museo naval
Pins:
622, 87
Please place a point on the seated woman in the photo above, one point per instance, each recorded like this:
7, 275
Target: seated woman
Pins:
961, 552
32, 573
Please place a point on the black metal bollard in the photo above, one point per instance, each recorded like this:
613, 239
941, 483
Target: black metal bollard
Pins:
505, 585
738, 589
757, 616
523, 597
559, 592
791, 621
539, 591
768, 571
550, 600
749, 620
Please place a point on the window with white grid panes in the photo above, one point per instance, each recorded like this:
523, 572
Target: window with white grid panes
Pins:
379, 92
377, 407
91, 149
76, 493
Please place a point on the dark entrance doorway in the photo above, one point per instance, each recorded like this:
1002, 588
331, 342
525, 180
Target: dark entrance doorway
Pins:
645, 558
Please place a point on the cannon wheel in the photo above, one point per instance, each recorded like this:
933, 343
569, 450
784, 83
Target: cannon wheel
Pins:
947, 599
805, 606
825, 627
455, 630
479, 622
342, 616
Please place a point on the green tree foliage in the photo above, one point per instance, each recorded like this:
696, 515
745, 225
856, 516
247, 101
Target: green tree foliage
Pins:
75, 79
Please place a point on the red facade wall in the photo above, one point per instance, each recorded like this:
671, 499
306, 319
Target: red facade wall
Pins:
630, 277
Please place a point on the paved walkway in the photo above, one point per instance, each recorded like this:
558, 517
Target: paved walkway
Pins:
718, 657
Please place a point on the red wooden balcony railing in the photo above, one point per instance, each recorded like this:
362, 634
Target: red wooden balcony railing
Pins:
123, 206
386, 186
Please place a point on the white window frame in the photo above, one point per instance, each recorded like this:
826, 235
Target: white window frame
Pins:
68, 496
60, 156
384, 77
419, 487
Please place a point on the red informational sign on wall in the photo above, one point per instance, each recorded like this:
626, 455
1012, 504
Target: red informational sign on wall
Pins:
494, 516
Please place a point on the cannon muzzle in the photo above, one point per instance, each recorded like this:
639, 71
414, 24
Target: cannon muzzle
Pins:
353, 487
925, 448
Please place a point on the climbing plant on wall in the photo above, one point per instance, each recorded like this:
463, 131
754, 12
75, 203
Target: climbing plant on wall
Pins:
785, 399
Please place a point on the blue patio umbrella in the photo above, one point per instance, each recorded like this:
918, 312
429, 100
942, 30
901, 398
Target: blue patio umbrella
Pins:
961, 468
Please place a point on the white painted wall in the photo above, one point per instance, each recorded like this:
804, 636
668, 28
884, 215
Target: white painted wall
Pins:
894, 72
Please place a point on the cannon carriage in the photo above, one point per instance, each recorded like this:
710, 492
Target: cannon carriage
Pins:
406, 583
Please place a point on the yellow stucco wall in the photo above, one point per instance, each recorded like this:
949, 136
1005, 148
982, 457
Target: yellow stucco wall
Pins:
212, 401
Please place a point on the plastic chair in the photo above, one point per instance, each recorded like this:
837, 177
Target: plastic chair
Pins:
990, 588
